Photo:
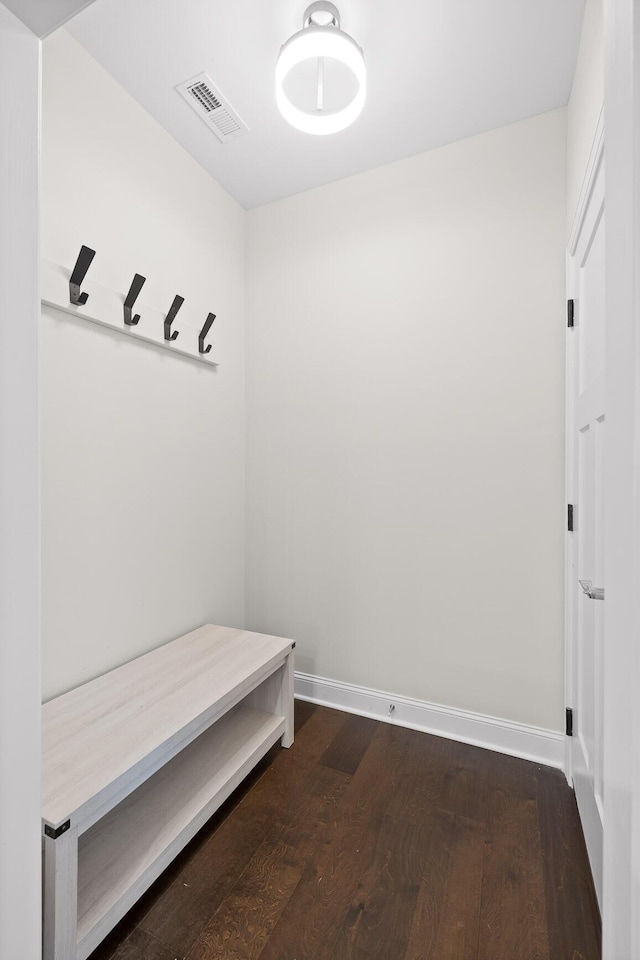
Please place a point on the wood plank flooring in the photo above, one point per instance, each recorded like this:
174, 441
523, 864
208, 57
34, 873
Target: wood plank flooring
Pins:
367, 841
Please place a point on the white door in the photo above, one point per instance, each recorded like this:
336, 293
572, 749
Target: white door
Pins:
586, 432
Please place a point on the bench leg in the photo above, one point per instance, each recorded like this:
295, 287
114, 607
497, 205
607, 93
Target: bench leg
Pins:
286, 701
60, 896
275, 695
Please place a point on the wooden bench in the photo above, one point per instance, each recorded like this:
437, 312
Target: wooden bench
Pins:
136, 761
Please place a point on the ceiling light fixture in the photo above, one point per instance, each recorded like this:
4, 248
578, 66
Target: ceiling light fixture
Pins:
321, 38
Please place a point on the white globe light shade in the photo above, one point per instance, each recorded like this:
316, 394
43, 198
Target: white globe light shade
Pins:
310, 43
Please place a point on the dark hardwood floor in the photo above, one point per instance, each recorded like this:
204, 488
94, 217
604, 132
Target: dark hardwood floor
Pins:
371, 842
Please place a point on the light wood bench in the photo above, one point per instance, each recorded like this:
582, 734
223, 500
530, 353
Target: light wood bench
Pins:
136, 761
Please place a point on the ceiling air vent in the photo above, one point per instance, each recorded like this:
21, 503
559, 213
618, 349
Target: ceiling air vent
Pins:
212, 107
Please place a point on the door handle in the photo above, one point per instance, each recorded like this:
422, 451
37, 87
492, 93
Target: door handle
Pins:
594, 593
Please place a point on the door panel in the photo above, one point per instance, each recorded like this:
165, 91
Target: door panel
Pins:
586, 425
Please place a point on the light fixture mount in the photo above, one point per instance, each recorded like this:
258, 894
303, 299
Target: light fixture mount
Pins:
321, 14
321, 38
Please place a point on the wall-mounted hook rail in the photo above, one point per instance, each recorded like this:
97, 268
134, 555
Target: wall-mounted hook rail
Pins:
105, 305
204, 332
136, 286
175, 306
83, 263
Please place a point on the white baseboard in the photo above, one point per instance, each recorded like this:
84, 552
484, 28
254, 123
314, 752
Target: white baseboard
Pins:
515, 739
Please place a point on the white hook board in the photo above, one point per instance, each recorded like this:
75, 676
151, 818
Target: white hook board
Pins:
105, 306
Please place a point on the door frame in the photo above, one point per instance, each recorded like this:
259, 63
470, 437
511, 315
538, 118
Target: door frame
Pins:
621, 851
20, 543
20, 696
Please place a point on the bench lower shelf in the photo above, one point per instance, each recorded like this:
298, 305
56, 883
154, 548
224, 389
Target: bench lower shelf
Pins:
124, 852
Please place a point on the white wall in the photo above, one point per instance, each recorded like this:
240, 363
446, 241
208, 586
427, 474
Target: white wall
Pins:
405, 424
19, 494
585, 102
142, 452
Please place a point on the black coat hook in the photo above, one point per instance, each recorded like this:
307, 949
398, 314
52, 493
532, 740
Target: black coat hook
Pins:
175, 306
204, 332
136, 286
83, 263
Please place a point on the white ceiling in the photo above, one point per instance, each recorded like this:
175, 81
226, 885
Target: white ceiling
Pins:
438, 71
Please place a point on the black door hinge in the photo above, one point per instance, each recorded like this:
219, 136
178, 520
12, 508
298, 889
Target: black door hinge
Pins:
569, 721
570, 517
570, 309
